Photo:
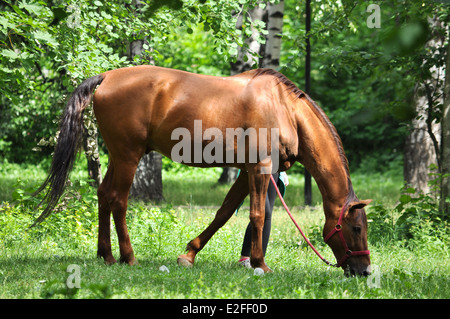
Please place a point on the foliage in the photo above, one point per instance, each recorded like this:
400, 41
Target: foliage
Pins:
364, 77
34, 262
49, 47
415, 221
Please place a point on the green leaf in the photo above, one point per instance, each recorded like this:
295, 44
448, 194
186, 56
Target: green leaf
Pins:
45, 37
6, 70
405, 199
248, 32
261, 39
17, 194
32, 8
233, 51
9, 54
6, 24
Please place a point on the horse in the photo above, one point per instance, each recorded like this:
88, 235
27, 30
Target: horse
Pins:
137, 111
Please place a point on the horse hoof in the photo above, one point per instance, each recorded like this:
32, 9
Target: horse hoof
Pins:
129, 261
264, 268
133, 262
107, 260
110, 262
184, 262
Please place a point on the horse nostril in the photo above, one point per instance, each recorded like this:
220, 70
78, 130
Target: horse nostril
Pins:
366, 272
356, 271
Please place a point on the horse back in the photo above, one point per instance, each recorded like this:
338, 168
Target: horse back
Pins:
141, 106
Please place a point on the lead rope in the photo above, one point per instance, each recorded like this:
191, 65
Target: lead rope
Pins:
298, 227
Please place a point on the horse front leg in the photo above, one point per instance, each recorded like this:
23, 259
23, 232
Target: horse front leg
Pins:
258, 184
235, 196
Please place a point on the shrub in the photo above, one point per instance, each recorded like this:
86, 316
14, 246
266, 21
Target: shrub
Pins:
416, 220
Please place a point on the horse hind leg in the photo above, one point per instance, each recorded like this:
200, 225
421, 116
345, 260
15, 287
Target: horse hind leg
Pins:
114, 198
104, 220
235, 196
123, 178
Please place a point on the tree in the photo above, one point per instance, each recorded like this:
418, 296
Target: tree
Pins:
147, 183
90, 146
246, 58
422, 149
308, 188
48, 48
445, 183
273, 18
262, 48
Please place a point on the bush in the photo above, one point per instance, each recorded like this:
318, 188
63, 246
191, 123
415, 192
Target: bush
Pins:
75, 216
416, 220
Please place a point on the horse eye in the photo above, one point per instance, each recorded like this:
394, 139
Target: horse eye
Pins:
357, 229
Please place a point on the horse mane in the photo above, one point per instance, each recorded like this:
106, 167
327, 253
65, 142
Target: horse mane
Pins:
291, 88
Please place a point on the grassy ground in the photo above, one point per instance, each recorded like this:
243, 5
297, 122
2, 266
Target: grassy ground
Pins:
199, 187
33, 264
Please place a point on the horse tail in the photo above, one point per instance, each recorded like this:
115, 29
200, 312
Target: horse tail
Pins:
68, 143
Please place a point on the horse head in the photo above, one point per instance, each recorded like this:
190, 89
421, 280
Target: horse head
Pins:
347, 238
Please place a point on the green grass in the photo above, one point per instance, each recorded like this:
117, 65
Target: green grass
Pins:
199, 187
33, 264
32, 269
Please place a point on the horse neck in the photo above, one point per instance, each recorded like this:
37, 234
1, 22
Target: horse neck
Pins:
322, 154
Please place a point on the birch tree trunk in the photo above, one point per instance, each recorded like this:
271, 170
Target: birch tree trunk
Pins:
272, 15
245, 61
147, 183
90, 145
272, 47
308, 179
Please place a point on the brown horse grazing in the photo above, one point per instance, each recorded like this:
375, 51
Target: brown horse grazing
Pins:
138, 109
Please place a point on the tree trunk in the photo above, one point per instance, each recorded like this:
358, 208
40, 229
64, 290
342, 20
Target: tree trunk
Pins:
90, 145
422, 147
420, 153
147, 183
244, 62
272, 47
445, 146
272, 15
308, 179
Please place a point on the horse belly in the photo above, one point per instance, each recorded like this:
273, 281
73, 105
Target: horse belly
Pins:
207, 135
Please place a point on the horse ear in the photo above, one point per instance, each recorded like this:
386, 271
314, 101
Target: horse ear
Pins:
359, 204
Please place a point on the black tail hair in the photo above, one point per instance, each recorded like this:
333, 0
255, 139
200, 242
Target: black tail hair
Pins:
69, 139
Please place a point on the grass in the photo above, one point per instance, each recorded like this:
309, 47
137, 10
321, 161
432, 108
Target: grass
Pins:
199, 187
35, 269
33, 264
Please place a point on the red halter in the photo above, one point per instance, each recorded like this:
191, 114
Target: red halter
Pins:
348, 252
337, 229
